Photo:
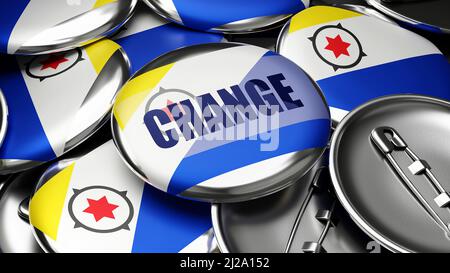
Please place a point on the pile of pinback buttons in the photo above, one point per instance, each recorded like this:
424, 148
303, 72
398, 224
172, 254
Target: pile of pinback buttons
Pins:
147, 126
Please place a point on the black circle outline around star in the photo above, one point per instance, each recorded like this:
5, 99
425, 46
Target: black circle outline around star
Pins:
335, 66
78, 223
41, 78
162, 91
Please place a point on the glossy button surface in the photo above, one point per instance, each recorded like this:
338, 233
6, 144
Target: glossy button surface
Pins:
228, 16
354, 57
220, 122
15, 233
37, 27
424, 15
147, 35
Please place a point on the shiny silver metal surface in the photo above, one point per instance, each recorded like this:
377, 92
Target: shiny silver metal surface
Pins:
263, 23
389, 163
342, 77
191, 73
205, 13
425, 15
266, 39
70, 24
294, 168
3, 117
304, 218
366, 11
15, 231
94, 203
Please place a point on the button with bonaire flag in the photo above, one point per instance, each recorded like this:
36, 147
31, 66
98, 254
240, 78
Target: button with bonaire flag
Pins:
96, 204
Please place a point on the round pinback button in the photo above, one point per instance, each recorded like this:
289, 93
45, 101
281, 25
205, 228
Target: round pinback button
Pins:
28, 27
389, 163
353, 65
220, 122
303, 218
16, 235
424, 15
227, 16
96, 204
56, 101
147, 35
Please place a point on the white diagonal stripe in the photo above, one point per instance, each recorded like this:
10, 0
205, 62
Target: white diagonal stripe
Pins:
142, 20
57, 99
40, 15
197, 75
89, 171
381, 41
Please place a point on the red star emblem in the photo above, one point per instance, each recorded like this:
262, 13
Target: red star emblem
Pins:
167, 111
53, 61
338, 46
100, 208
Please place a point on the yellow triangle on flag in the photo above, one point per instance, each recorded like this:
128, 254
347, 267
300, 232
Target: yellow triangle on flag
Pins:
46, 206
100, 52
100, 3
135, 91
319, 15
